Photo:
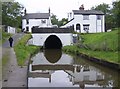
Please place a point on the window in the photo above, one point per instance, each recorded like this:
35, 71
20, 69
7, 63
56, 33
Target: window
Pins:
85, 17
43, 21
99, 17
27, 21
27, 28
86, 28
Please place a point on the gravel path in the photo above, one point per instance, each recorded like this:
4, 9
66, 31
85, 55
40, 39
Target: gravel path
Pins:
12, 74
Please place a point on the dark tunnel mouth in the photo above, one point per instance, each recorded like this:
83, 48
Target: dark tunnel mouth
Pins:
53, 42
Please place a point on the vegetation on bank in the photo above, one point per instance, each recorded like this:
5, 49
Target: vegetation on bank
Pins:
24, 51
103, 46
107, 41
5, 36
5, 58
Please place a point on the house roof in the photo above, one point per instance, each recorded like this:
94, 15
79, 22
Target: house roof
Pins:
88, 12
36, 16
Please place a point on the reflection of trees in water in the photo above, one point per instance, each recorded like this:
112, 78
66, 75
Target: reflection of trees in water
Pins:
52, 55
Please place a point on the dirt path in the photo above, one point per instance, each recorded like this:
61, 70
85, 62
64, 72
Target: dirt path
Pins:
12, 74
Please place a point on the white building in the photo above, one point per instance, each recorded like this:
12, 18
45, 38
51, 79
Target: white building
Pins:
86, 21
9, 29
35, 19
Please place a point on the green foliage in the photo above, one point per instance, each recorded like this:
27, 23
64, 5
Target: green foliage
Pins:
23, 51
57, 22
102, 7
18, 30
116, 12
11, 13
103, 46
62, 22
102, 41
5, 59
54, 20
102, 55
112, 15
5, 36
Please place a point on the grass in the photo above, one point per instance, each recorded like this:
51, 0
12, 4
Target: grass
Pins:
103, 55
103, 46
4, 60
5, 36
23, 51
102, 41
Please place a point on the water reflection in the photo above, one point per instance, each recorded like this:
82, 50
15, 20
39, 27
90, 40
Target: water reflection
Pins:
53, 69
52, 55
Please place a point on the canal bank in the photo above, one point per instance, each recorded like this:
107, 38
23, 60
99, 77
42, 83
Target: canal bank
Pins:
14, 71
101, 62
63, 70
85, 54
102, 48
12, 74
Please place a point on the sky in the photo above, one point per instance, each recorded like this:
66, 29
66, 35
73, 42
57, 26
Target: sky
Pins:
60, 8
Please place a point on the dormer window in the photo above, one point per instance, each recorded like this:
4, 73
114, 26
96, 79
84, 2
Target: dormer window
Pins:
43, 21
85, 17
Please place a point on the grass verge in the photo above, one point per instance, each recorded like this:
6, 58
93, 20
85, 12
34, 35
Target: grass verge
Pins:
102, 55
5, 36
107, 41
23, 51
4, 60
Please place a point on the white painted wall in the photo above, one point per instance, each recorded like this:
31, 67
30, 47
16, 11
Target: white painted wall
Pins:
94, 24
35, 22
39, 39
11, 30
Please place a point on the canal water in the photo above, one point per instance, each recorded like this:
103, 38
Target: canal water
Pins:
53, 68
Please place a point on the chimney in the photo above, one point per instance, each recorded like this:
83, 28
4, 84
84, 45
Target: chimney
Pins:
81, 7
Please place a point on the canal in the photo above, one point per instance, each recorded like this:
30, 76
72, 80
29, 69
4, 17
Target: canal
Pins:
53, 68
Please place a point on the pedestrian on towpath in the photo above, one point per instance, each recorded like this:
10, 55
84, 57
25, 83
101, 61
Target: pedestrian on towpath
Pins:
10, 41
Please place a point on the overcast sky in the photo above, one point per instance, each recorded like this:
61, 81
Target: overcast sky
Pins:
59, 7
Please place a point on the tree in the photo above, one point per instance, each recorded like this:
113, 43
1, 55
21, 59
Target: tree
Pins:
112, 15
54, 20
116, 13
57, 22
108, 16
63, 21
102, 7
11, 13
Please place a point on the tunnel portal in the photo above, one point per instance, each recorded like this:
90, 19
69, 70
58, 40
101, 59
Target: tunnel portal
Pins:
53, 42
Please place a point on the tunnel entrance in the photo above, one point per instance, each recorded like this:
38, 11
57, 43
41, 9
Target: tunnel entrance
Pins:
53, 42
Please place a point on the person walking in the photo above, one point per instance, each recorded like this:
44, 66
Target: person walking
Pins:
11, 41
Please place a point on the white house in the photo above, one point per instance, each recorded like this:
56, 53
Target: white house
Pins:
9, 29
86, 21
35, 19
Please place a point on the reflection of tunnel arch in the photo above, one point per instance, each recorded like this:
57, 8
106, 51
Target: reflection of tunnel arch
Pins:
53, 55
53, 42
